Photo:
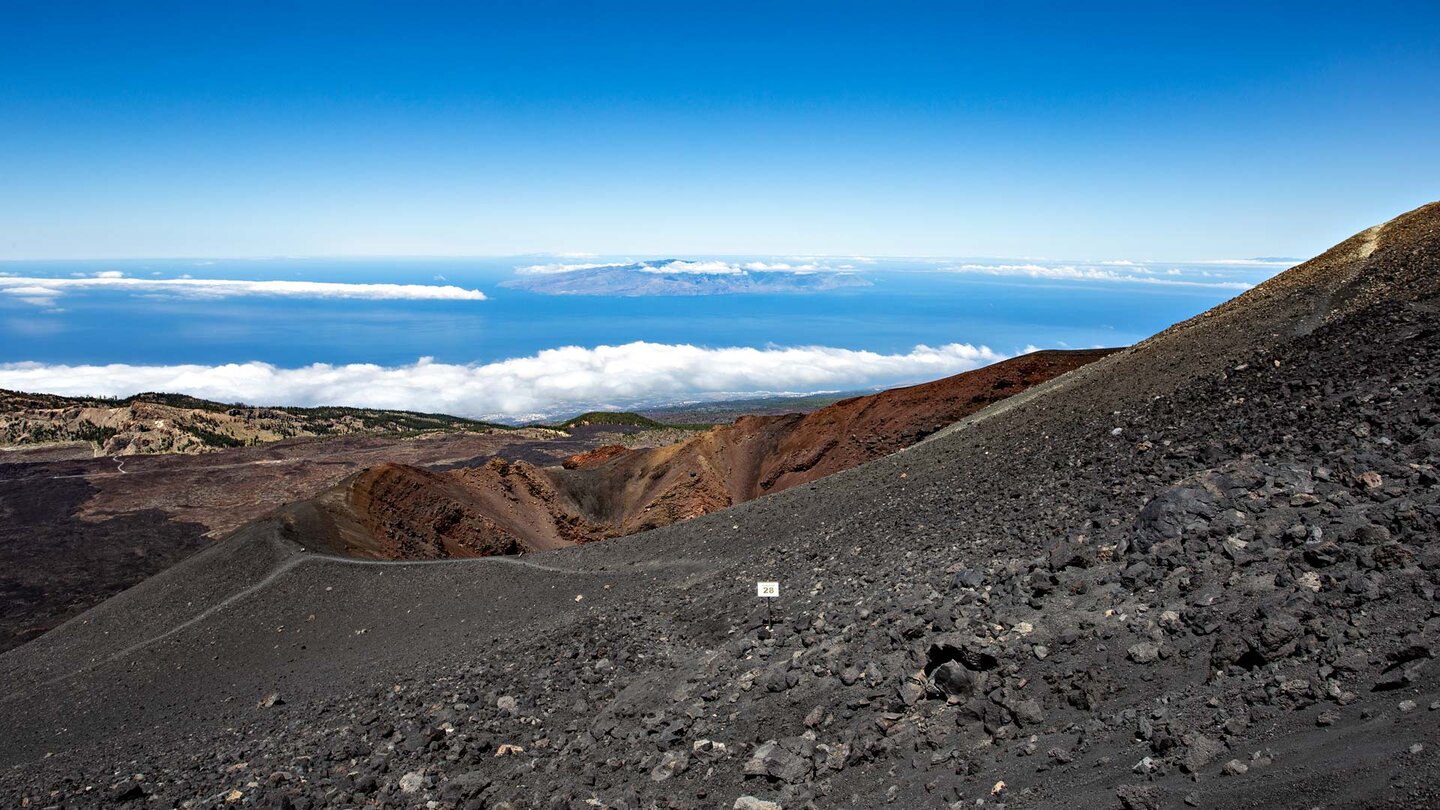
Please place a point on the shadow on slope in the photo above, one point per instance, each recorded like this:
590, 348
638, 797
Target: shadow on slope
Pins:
53, 564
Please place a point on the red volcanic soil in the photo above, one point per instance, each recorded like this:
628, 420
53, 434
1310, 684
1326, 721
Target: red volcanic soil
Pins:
395, 512
594, 458
400, 512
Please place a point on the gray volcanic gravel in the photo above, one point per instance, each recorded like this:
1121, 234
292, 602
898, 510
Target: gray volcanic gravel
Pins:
1200, 572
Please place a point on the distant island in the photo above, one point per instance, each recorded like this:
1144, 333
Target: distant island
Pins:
679, 277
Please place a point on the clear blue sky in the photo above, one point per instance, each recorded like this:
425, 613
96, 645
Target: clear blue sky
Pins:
347, 128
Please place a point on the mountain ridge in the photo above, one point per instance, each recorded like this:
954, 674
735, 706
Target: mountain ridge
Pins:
177, 423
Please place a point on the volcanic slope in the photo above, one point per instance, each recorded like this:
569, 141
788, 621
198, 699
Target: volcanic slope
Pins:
1201, 571
396, 511
75, 532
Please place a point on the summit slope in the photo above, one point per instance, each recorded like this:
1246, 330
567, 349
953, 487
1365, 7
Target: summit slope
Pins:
1202, 571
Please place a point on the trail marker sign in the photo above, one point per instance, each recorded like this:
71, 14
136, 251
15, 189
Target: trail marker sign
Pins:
768, 590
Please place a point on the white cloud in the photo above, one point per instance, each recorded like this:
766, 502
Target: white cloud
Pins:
549, 269
226, 288
708, 267
555, 381
1069, 272
109, 274
1266, 263
675, 266
35, 295
786, 267
32, 290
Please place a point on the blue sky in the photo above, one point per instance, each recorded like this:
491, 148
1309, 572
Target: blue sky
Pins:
1028, 129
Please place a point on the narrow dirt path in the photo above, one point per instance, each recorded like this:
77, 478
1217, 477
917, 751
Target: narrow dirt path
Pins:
305, 558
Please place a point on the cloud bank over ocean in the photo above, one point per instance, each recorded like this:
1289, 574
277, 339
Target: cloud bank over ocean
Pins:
815, 274
41, 291
697, 267
1121, 271
552, 382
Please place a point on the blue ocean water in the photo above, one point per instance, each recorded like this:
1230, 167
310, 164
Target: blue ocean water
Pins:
909, 303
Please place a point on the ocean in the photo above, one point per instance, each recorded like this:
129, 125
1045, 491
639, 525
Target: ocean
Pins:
906, 306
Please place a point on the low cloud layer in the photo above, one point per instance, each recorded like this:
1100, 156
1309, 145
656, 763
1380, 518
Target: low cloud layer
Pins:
555, 381
45, 291
1112, 271
720, 276
699, 267
560, 267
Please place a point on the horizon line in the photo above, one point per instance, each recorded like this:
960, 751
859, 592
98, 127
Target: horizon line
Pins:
637, 256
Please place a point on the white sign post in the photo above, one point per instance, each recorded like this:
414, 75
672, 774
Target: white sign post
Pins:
768, 591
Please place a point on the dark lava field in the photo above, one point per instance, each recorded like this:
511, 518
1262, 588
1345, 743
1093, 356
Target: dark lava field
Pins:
1200, 572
